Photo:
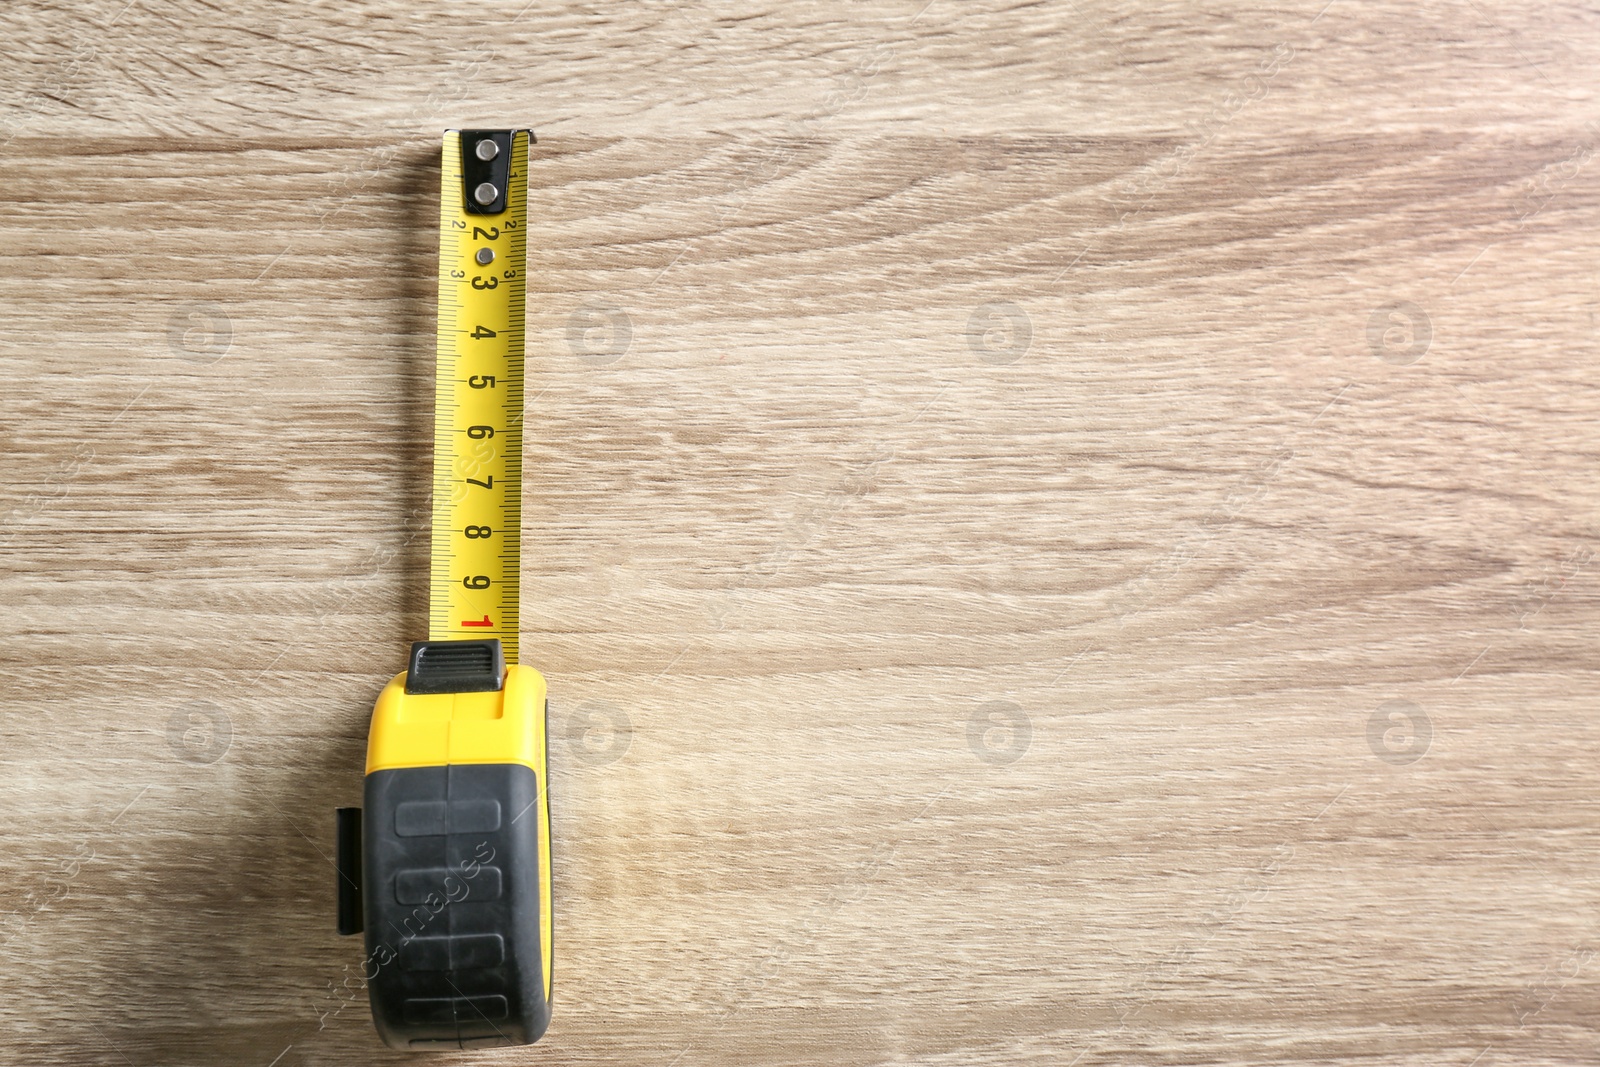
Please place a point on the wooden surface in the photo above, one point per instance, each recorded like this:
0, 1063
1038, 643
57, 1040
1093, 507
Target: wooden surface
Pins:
1059, 533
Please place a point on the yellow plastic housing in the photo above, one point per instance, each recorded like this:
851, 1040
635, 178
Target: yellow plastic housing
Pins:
431, 730
506, 726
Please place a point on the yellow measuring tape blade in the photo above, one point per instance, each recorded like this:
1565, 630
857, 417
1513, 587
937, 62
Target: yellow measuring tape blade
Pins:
477, 422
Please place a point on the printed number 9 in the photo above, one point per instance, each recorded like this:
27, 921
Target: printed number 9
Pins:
476, 581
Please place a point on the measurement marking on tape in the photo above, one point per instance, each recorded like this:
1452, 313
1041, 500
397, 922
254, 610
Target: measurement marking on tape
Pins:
477, 470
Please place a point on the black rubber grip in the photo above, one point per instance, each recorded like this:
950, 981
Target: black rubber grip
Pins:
451, 887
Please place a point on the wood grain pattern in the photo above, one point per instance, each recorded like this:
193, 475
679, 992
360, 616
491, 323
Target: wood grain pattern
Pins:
1059, 533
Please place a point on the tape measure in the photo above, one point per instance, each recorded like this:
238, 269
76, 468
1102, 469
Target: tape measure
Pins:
477, 422
446, 868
